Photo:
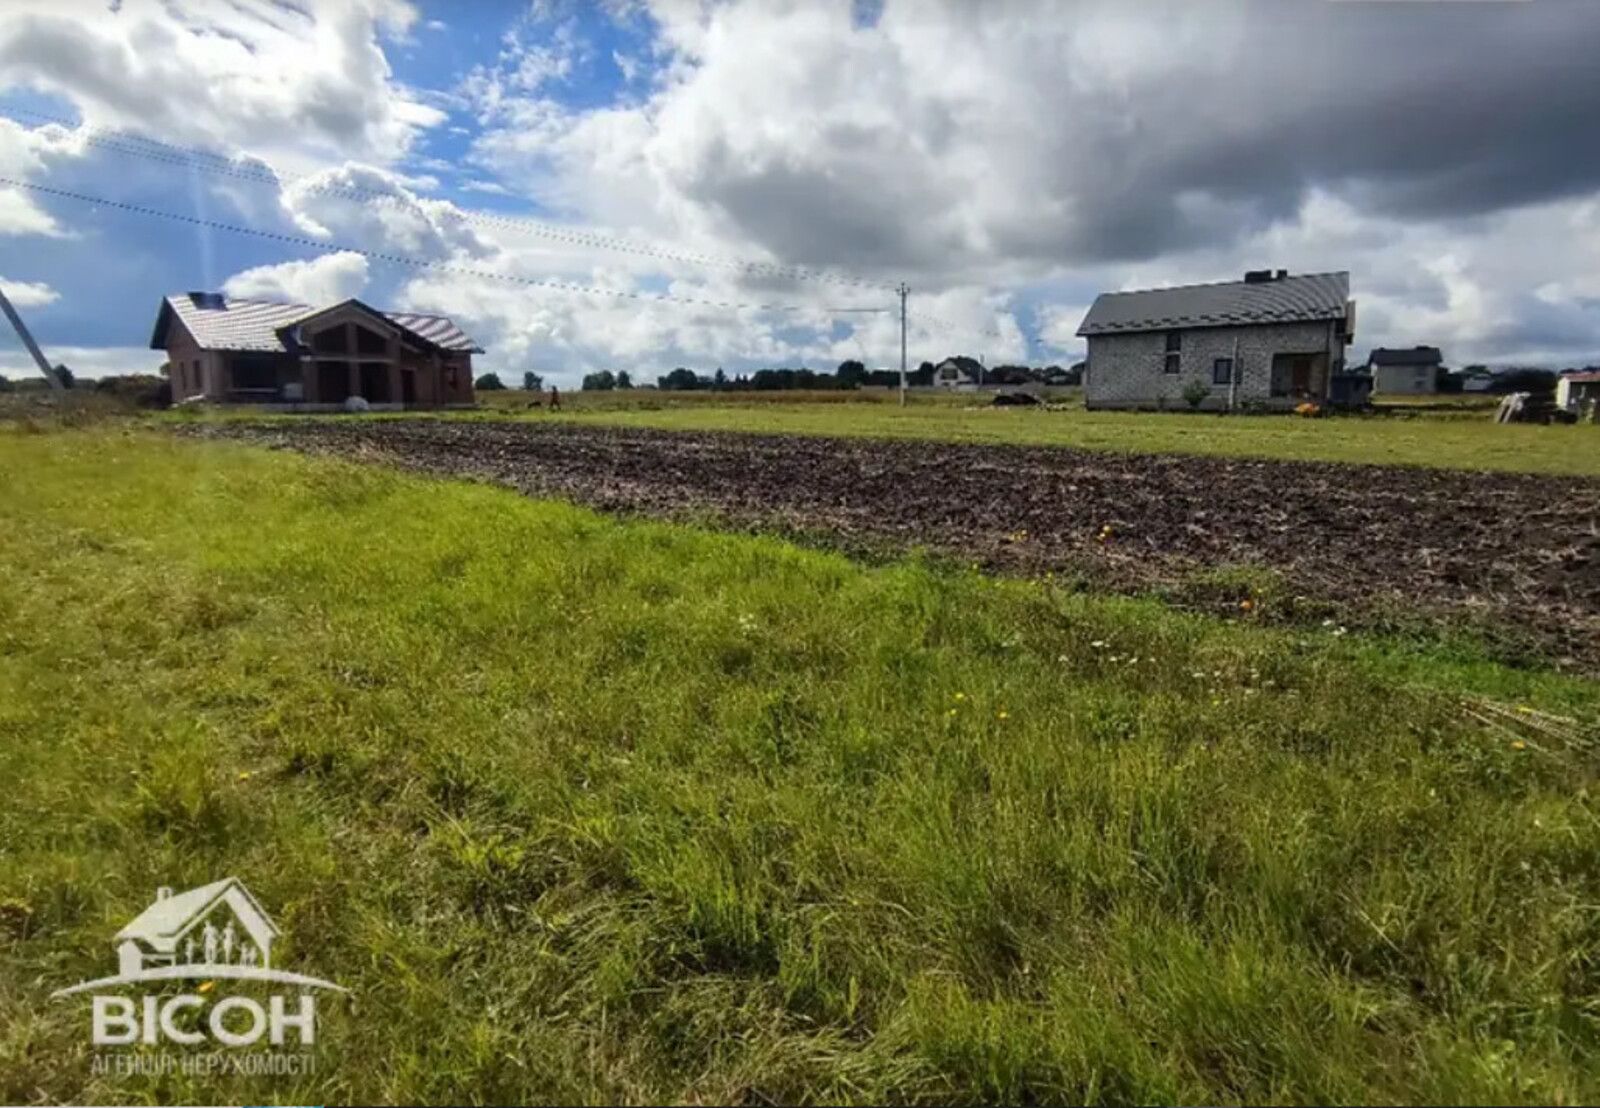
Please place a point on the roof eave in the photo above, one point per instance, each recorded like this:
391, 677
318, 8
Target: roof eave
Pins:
1195, 324
164, 316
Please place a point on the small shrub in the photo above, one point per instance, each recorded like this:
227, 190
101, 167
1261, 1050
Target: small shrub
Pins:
1195, 393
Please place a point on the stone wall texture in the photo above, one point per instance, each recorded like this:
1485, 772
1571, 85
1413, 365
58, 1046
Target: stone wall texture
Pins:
1128, 371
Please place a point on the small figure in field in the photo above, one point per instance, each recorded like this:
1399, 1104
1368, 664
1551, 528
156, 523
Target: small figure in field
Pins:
555, 399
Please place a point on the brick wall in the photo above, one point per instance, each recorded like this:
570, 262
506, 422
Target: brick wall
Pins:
1128, 371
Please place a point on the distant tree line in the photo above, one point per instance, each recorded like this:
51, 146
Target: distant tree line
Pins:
853, 374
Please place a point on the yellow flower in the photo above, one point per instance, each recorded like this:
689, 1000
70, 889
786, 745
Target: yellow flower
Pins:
1002, 714
951, 712
1518, 744
1247, 604
207, 986
244, 775
961, 696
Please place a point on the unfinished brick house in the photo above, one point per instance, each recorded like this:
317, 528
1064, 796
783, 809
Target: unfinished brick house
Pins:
1269, 341
234, 351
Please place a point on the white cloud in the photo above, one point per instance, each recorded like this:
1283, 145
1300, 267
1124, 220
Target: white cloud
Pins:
1058, 326
28, 294
371, 208
322, 280
296, 83
84, 361
19, 215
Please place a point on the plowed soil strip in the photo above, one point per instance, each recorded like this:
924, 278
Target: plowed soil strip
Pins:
1517, 553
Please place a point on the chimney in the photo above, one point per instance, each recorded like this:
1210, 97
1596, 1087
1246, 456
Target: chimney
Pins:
1282, 273
163, 892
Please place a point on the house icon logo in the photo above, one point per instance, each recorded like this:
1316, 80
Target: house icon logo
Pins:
214, 931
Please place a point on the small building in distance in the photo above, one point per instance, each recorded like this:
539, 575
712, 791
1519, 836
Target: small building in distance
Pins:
237, 351
1269, 341
1576, 389
959, 372
1413, 372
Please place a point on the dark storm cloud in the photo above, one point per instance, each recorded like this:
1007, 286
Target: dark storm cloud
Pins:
1097, 133
1419, 110
1430, 108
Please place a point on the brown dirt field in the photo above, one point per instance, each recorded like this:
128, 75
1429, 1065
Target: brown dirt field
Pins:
1515, 557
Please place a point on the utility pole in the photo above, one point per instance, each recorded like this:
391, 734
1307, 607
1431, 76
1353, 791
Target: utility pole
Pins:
33, 347
1233, 376
904, 290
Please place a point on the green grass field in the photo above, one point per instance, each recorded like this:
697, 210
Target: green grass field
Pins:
1447, 441
1448, 432
592, 810
1451, 432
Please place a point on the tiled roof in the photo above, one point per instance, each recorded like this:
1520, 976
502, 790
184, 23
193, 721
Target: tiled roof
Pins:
220, 322
1312, 296
1417, 355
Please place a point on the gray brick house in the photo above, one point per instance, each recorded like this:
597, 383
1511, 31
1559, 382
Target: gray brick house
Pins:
1269, 341
1414, 372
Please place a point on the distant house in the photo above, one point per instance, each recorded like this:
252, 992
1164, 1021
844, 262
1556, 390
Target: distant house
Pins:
237, 351
1410, 372
1574, 390
959, 372
1268, 341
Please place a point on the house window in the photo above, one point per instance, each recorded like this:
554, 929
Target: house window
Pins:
370, 342
375, 382
330, 341
1222, 371
1174, 359
254, 372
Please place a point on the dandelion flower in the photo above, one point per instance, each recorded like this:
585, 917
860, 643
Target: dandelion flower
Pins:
1518, 744
1002, 714
207, 986
244, 775
961, 696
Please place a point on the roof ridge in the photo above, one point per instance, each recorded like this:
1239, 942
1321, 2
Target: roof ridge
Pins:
1219, 284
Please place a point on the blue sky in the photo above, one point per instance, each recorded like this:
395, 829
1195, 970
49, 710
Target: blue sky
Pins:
1009, 161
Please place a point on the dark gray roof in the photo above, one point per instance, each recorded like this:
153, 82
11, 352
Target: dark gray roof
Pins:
1312, 296
1417, 355
220, 322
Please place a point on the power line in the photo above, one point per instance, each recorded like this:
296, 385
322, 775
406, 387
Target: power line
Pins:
938, 323
222, 166
406, 260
